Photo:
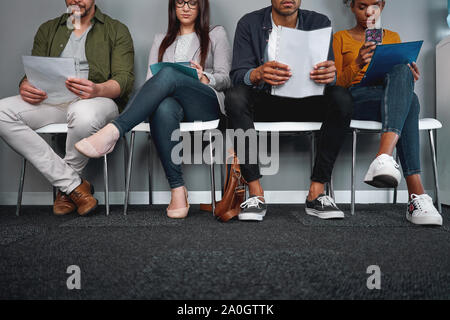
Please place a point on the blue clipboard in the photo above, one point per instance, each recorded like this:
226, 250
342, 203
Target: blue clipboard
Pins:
387, 56
184, 67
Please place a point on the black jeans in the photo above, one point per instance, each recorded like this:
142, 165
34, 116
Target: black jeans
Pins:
245, 105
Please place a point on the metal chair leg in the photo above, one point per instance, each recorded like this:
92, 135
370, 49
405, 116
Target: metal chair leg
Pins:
128, 174
150, 167
54, 146
331, 188
222, 178
213, 182
353, 200
435, 171
125, 158
105, 175
21, 183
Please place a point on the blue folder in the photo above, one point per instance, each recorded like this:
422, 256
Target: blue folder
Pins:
387, 56
184, 67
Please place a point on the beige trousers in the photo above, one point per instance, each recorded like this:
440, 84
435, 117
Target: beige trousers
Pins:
19, 119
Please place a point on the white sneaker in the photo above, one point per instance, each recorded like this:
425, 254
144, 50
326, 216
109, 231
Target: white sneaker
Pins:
421, 211
383, 172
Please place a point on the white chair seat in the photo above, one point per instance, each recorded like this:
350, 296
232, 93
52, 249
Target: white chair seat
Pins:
184, 126
424, 124
53, 128
287, 126
199, 125
366, 125
429, 124
142, 127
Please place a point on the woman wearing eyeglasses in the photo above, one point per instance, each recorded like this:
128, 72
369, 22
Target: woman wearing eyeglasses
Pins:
171, 97
392, 102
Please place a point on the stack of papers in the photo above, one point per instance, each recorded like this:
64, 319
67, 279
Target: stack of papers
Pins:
301, 51
50, 75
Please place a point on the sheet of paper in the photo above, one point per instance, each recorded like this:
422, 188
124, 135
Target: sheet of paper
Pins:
301, 51
49, 75
184, 67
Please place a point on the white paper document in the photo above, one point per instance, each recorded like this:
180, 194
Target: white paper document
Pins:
301, 51
50, 75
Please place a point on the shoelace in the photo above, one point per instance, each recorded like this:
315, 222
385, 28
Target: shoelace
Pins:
416, 200
327, 201
251, 203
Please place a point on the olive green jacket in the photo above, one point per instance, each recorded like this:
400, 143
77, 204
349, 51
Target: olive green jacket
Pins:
109, 50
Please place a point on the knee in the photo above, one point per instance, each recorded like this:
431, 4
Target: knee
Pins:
82, 123
91, 115
168, 75
415, 105
84, 120
342, 101
236, 101
169, 111
402, 71
400, 68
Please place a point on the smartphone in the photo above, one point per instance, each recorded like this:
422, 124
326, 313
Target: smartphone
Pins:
374, 35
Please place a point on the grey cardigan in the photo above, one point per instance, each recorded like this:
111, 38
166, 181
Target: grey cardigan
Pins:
218, 62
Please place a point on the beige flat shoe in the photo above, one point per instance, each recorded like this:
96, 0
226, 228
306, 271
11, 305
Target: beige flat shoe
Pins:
100, 143
180, 213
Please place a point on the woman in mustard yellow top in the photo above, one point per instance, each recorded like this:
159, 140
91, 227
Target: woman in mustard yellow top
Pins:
392, 102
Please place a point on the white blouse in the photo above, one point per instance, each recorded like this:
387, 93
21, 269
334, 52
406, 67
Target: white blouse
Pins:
182, 48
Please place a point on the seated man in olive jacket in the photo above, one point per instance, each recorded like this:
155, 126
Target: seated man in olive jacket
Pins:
104, 49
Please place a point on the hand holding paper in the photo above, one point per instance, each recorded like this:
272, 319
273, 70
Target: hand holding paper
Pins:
272, 72
30, 94
199, 68
324, 73
83, 88
302, 51
49, 75
415, 70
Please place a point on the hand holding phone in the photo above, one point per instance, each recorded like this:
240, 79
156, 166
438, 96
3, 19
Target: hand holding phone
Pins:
365, 54
374, 35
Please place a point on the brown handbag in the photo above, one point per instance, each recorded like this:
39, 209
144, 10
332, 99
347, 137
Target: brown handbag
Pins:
233, 195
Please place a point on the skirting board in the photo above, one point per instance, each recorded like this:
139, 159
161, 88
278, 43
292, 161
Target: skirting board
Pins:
196, 197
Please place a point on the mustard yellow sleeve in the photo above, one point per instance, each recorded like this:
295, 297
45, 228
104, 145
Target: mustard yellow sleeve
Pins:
345, 75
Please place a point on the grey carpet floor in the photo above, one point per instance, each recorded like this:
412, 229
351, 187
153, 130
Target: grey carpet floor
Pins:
288, 256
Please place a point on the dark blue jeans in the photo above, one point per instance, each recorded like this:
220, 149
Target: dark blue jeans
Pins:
395, 104
167, 99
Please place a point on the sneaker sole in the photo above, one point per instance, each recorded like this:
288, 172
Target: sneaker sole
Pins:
424, 221
325, 216
252, 216
383, 182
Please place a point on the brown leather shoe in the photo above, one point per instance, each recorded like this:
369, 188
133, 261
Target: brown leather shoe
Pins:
63, 205
83, 199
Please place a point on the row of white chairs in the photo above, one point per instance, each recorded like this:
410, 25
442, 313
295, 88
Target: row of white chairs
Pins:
309, 128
